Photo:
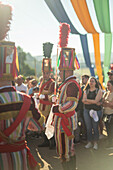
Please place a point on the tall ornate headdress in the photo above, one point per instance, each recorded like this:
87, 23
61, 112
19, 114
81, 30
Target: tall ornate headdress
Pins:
46, 62
67, 58
8, 52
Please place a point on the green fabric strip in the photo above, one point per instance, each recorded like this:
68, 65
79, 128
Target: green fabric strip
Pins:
58, 62
107, 55
7, 68
103, 14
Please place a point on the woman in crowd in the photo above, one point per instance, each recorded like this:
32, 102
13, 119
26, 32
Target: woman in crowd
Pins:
92, 111
108, 111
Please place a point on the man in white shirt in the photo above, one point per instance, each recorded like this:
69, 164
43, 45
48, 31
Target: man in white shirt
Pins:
20, 85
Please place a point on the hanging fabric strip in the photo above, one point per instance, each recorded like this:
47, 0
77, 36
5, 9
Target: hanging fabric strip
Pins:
107, 56
84, 44
103, 15
97, 57
58, 11
82, 12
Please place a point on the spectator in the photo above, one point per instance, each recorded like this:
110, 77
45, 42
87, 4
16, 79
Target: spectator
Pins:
20, 85
92, 111
33, 83
108, 112
110, 74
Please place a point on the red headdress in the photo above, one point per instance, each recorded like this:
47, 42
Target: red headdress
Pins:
67, 59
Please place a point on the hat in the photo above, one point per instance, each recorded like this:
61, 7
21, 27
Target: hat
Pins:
110, 72
94, 115
67, 59
8, 60
46, 62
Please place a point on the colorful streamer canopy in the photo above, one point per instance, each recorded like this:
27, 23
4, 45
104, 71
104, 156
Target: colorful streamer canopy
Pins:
96, 17
58, 11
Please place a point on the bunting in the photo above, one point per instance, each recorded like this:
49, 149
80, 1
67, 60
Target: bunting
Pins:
96, 17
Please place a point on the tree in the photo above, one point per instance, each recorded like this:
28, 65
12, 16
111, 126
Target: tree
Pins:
24, 68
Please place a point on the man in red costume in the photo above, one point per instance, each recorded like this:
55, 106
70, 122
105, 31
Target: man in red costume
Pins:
46, 90
65, 117
16, 108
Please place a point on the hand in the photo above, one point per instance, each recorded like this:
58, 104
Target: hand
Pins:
42, 96
55, 109
54, 99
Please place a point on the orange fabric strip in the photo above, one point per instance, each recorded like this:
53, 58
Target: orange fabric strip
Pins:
81, 9
97, 57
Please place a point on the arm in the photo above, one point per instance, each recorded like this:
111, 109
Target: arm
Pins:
107, 103
97, 99
72, 93
84, 100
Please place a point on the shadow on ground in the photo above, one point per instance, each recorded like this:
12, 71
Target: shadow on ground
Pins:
87, 159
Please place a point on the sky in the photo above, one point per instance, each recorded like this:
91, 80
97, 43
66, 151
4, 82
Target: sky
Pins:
33, 24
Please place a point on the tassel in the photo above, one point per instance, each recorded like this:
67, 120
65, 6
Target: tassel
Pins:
31, 161
77, 63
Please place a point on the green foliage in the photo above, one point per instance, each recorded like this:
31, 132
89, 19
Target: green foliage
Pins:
24, 68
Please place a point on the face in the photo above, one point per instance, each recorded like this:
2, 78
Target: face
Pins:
110, 76
92, 82
109, 86
84, 80
19, 81
46, 75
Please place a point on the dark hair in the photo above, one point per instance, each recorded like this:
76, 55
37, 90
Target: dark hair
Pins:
87, 85
110, 81
36, 88
86, 76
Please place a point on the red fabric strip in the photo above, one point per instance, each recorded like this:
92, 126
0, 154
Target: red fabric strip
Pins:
65, 122
45, 84
25, 107
45, 102
13, 147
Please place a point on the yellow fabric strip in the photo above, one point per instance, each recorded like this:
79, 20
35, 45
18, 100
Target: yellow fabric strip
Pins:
72, 99
12, 114
3, 104
97, 57
81, 9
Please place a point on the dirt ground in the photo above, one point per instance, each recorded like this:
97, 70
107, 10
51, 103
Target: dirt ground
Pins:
87, 159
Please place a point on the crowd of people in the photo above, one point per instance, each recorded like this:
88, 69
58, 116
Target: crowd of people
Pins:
73, 110
93, 108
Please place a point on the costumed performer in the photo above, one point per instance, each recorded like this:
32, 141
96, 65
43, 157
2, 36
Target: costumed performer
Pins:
65, 117
46, 90
16, 108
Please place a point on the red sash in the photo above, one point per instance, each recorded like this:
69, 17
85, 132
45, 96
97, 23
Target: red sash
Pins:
25, 107
45, 102
65, 122
45, 84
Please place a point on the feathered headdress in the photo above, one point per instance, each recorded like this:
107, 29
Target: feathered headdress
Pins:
46, 62
8, 52
5, 19
64, 34
67, 59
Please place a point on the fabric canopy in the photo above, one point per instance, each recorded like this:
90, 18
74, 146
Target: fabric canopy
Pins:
58, 11
101, 13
